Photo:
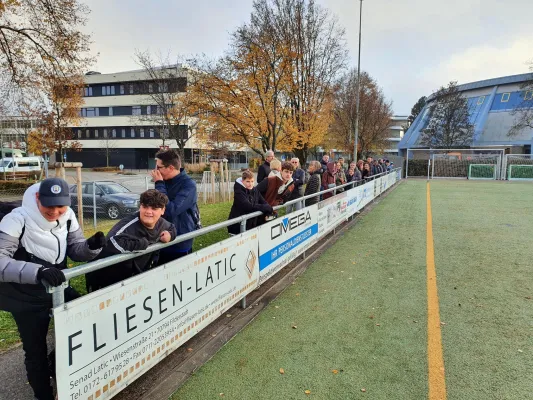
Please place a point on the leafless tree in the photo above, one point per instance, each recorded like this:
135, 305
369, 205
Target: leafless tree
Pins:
108, 146
171, 110
524, 112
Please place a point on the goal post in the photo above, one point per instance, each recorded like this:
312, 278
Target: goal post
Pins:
454, 163
482, 171
518, 172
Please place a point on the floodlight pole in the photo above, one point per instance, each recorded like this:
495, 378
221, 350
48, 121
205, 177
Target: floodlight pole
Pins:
358, 83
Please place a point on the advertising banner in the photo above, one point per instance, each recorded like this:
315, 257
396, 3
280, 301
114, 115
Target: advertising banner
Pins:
284, 239
331, 212
107, 339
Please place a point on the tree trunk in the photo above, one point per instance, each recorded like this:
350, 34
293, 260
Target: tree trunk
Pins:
302, 155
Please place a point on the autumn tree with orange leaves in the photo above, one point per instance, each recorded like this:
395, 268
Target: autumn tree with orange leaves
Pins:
64, 99
374, 119
273, 88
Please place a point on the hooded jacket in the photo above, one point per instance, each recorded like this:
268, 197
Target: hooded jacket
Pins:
182, 208
328, 179
247, 201
29, 241
274, 190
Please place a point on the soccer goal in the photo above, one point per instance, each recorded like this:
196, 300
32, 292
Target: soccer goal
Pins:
482, 171
519, 172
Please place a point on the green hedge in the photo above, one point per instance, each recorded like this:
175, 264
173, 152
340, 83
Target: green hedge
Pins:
105, 169
14, 185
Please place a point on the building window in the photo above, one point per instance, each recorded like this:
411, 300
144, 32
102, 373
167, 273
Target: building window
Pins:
141, 132
159, 110
163, 87
110, 111
506, 97
131, 89
88, 91
136, 110
114, 133
150, 88
123, 133
79, 133
121, 89
152, 134
105, 133
528, 95
108, 90
148, 110
87, 134
96, 133
90, 112
132, 132
480, 100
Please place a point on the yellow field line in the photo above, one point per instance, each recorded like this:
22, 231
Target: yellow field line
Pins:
437, 383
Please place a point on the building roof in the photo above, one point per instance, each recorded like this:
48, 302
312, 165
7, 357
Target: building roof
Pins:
504, 80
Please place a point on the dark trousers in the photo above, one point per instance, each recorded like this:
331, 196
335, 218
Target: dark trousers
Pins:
33, 328
168, 256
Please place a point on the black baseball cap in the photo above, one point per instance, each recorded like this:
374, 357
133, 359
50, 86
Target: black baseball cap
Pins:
54, 192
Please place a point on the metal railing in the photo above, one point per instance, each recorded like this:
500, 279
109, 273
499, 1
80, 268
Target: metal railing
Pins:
58, 295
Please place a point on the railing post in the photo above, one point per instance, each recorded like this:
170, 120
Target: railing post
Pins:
58, 293
407, 164
94, 205
243, 229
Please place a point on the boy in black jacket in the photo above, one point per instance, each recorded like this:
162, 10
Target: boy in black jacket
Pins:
134, 233
247, 200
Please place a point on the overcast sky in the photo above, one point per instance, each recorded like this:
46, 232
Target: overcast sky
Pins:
411, 47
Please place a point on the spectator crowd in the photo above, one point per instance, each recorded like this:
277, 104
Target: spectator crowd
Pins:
36, 238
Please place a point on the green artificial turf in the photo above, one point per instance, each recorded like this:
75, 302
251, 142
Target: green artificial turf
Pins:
210, 214
359, 310
484, 258
483, 254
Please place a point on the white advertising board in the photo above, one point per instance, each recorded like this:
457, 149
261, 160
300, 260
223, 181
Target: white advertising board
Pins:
356, 198
284, 239
107, 339
331, 212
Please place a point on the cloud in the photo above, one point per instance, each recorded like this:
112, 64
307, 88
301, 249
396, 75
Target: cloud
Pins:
483, 62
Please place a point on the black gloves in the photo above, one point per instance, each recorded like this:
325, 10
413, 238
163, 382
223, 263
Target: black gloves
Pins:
96, 241
52, 275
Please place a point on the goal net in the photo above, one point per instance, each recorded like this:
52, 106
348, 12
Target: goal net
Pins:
455, 163
517, 166
482, 171
519, 172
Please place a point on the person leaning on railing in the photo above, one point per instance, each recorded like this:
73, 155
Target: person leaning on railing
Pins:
367, 171
353, 174
247, 200
314, 183
35, 240
134, 233
278, 188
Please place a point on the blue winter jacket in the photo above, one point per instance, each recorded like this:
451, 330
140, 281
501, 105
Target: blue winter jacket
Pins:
181, 209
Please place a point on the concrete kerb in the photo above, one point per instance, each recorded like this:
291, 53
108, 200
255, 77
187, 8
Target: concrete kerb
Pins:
166, 377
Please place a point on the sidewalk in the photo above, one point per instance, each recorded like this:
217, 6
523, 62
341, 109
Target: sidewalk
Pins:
352, 326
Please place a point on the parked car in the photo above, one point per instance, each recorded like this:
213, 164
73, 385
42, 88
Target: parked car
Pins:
112, 199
